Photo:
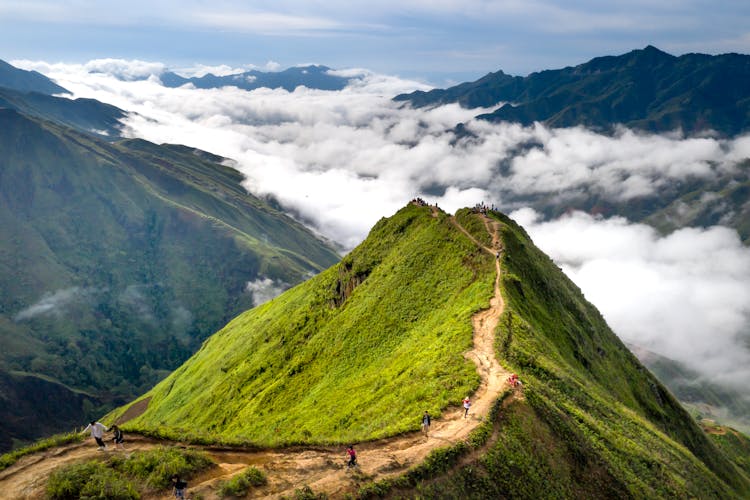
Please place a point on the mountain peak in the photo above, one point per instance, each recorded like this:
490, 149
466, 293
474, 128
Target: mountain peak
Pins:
360, 351
27, 81
651, 54
645, 89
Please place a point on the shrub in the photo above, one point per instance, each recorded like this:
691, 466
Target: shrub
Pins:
156, 467
89, 480
240, 484
117, 477
306, 493
12, 457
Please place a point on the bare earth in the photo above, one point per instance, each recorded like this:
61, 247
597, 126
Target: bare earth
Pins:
322, 468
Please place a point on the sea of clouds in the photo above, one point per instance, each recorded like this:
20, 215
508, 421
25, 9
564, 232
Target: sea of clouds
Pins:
342, 160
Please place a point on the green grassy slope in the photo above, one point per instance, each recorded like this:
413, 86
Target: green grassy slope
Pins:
118, 259
85, 115
594, 423
357, 352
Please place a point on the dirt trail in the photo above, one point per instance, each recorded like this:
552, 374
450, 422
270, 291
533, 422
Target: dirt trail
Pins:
322, 468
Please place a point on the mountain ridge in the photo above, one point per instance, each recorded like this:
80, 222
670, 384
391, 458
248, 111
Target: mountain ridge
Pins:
645, 89
27, 81
119, 257
613, 427
311, 76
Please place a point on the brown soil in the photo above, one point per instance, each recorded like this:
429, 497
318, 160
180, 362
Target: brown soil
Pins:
135, 410
322, 468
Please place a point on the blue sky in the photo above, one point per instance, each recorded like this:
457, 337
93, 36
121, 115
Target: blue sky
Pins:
439, 41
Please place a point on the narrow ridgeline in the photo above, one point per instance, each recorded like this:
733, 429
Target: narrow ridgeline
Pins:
358, 352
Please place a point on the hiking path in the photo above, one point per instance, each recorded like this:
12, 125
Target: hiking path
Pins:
320, 467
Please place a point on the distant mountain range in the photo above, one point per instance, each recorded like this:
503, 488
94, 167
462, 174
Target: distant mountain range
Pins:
313, 77
31, 93
645, 89
704, 398
27, 81
118, 258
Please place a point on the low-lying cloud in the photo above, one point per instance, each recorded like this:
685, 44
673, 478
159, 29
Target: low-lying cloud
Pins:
56, 303
344, 159
265, 289
684, 295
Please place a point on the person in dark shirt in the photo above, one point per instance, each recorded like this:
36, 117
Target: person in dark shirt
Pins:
179, 486
426, 421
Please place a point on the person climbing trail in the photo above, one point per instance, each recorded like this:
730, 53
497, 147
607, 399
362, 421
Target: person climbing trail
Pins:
352, 456
426, 420
178, 486
467, 405
97, 432
117, 437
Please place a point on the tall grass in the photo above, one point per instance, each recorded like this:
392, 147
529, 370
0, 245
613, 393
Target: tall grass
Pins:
8, 459
120, 477
358, 352
239, 485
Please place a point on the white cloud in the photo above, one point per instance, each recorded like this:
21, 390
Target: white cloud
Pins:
342, 160
265, 289
125, 69
55, 303
684, 295
265, 22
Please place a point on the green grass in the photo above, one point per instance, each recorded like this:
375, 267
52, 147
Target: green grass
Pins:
305, 493
240, 485
361, 350
129, 477
154, 468
732, 443
8, 459
356, 353
594, 423
151, 248
89, 480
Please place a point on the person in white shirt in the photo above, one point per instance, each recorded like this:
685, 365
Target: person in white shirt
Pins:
97, 432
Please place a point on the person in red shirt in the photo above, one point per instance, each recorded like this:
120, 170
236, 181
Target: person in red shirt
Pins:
352, 456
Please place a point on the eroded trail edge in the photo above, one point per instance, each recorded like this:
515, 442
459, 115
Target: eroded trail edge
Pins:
322, 468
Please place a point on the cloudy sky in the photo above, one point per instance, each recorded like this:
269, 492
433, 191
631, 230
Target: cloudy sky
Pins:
437, 41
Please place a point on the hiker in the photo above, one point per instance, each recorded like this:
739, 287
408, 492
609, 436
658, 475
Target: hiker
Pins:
514, 381
178, 486
467, 405
118, 437
426, 423
97, 431
352, 456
